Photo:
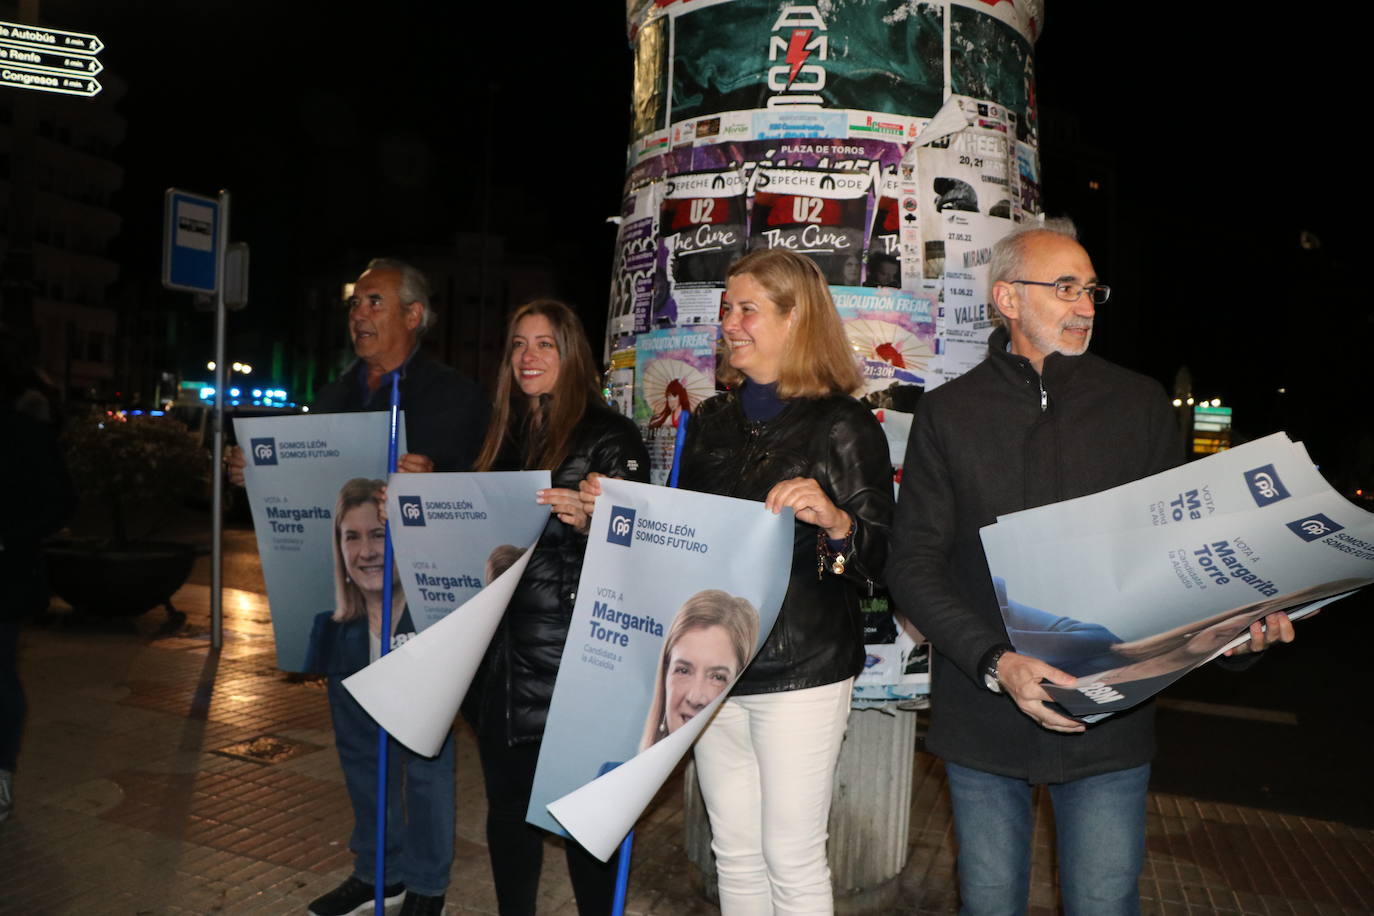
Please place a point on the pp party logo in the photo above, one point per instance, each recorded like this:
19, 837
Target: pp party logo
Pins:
1265, 485
264, 450
412, 510
622, 526
1314, 527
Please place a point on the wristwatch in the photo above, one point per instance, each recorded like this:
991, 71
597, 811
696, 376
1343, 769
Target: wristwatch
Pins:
989, 667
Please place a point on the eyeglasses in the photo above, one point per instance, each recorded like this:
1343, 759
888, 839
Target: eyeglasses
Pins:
1072, 292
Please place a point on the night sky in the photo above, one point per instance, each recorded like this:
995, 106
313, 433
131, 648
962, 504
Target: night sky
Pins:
1225, 134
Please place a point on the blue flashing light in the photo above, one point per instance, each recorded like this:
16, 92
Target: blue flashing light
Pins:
135, 413
257, 392
157, 413
207, 393
233, 393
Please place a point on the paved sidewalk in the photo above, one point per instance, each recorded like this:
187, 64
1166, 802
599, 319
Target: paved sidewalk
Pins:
160, 778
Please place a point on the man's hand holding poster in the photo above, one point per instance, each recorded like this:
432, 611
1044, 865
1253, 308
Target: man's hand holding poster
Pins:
678, 592
298, 472
462, 541
1131, 588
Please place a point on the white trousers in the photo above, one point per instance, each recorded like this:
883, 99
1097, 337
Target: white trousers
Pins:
766, 765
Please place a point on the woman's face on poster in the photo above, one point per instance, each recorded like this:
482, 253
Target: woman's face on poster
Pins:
700, 666
362, 543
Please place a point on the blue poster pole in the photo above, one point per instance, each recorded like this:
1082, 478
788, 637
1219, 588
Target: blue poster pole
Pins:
677, 446
622, 871
379, 884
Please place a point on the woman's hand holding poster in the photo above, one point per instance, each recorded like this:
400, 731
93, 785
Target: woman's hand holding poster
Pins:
678, 592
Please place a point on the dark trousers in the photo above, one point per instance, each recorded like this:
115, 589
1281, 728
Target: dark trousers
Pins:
517, 848
420, 802
12, 704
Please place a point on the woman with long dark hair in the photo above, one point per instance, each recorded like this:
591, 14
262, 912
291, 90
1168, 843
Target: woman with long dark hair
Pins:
549, 414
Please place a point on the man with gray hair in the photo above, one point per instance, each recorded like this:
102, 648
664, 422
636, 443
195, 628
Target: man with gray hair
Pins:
446, 414
446, 418
1038, 421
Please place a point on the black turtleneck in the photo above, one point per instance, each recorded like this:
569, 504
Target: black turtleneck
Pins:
760, 402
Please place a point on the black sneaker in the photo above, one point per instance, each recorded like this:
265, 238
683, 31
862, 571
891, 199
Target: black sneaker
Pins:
422, 905
353, 897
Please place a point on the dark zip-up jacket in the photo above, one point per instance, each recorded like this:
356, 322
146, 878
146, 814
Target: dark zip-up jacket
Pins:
999, 439
818, 638
511, 692
446, 413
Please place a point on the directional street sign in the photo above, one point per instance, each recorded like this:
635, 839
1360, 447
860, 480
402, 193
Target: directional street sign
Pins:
48, 82
50, 39
12, 55
49, 60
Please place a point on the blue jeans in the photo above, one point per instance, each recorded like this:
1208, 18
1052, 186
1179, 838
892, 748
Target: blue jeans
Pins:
419, 832
1100, 837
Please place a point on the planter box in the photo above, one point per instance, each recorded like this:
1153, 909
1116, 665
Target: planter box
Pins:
122, 581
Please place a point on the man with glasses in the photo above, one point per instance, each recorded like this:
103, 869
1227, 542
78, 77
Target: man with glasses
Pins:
1039, 421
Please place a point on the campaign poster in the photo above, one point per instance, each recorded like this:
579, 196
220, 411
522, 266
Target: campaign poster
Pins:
1143, 581
821, 214
300, 469
1130, 588
702, 232
892, 332
463, 541
1141, 668
676, 371
1248, 476
678, 591
454, 533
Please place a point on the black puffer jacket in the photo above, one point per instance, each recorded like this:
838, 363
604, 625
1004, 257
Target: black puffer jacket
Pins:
818, 638
510, 695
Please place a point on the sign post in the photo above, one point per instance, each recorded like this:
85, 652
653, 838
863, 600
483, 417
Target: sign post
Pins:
194, 250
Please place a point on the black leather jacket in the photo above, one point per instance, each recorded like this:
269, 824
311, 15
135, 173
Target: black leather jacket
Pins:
511, 692
818, 638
